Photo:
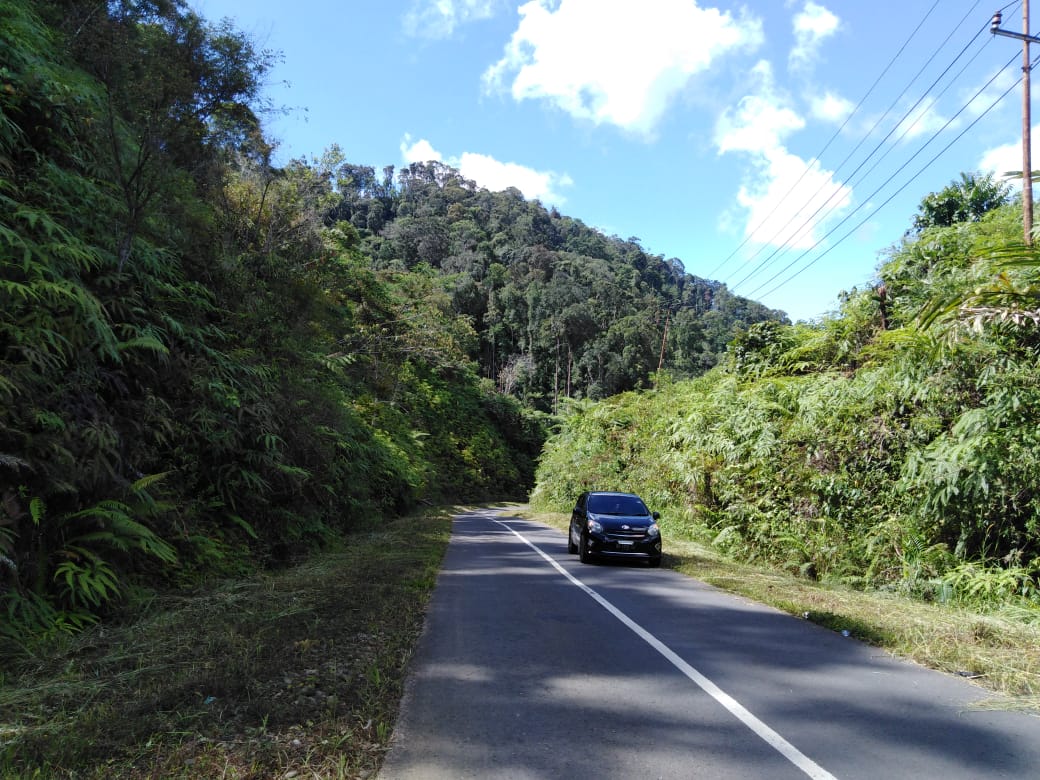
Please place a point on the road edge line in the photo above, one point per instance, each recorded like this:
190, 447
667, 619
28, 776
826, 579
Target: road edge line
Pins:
738, 710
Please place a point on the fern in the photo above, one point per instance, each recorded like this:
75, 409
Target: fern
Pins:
88, 581
37, 509
23, 612
243, 524
140, 487
150, 343
727, 538
990, 586
296, 472
120, 531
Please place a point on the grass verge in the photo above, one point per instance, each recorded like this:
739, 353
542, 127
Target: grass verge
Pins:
294, 673
1002, 656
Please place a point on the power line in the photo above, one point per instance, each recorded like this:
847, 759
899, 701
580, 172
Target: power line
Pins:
930, 105
885, 183
784, 247
894, 194
808, 165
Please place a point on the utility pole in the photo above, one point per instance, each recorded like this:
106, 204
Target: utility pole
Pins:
1027, 121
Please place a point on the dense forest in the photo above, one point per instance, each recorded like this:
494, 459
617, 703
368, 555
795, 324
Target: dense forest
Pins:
560, 310
892, 445
210, 361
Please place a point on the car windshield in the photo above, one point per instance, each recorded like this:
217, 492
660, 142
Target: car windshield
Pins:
617, 505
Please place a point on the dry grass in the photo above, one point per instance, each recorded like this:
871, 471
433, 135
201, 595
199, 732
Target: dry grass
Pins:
1000, 655
297, 671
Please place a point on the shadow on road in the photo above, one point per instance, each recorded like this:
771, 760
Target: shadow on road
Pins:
521, 674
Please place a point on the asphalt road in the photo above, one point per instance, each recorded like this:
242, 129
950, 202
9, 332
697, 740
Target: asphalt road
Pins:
535, 666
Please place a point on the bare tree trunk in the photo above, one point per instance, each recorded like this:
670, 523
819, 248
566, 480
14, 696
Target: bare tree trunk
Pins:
570, 366
556, 378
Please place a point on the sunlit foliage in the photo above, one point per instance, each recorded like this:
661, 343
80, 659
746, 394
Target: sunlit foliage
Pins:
892, 444
200, 371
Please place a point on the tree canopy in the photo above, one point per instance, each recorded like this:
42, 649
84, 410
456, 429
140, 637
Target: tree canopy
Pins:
560, 310
966, 199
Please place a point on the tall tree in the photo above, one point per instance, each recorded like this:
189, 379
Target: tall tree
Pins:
963, 200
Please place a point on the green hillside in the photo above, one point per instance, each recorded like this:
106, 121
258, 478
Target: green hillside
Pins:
893, 445
200, 371
209, 361
560, 309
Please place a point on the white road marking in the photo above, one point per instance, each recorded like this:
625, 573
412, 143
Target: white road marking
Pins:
778, 743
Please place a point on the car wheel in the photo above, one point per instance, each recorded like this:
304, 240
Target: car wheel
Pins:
655, 563
583, 550
571, 546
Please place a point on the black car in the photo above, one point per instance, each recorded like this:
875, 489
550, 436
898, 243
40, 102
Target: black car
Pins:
614, 525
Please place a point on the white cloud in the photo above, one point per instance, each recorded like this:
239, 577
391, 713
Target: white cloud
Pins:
983, 96
811, 27
785, 200
493, 174
1002, 159
420, 151
440, 18
788, 204
617, 63
923, 120
761, 121
831, 108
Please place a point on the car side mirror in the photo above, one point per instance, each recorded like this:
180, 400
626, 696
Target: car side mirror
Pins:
656, 515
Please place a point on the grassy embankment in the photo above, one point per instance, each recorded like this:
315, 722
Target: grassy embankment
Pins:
299, 673
293, 673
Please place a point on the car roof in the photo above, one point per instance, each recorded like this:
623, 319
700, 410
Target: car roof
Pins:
610, 493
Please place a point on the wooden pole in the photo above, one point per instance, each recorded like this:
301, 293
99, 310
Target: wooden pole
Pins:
1027, 121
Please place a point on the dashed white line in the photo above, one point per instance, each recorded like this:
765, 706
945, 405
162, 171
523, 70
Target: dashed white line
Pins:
771, 737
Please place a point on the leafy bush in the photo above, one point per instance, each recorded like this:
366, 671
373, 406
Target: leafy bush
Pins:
888, 445
199, 369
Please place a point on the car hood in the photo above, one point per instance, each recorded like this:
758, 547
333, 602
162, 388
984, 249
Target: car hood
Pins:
614, 522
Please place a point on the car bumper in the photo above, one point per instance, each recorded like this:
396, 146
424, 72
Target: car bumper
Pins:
608, 547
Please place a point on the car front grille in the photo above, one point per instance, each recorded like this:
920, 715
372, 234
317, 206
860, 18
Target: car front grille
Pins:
633, 535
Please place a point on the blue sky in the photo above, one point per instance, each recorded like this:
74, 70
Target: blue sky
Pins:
779, 146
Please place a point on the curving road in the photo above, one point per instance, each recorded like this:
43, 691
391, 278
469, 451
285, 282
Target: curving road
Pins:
533, 666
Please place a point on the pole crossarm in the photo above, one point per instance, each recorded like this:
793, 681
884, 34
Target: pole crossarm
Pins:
1011, 34
996, 29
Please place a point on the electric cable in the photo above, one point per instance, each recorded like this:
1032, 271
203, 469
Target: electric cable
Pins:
892, 196
808, 165
852, 181
784, 247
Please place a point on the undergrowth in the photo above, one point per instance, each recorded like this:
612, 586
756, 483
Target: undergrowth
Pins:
298, 670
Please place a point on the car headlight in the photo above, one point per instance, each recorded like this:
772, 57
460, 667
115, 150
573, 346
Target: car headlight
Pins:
594, 527
653, 531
